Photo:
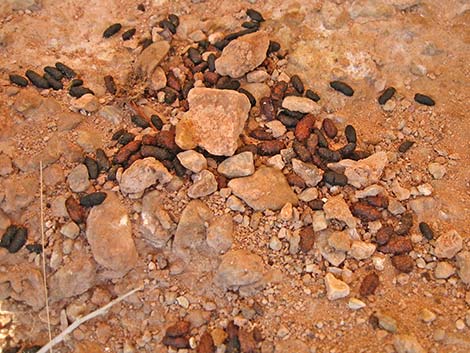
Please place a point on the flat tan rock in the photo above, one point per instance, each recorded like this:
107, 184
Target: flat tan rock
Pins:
267, 188
150, 57
214, 121
243, 55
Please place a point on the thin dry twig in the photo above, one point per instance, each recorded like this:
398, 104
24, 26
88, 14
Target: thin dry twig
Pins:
46, 295
59, 338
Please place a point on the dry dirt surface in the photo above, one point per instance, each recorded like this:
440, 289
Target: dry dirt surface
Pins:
215, 169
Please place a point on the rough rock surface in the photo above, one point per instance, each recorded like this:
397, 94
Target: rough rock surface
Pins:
335, 289
407, 344
204, 184
214, 121
142, 174
337, 208
156, 223
192, 160
109, 233
448, 245
243, 55
364, 172
311, 174
23, 283
267, 188
219, 233
237, 166
301, 104
78, 178
291, 345
149, 59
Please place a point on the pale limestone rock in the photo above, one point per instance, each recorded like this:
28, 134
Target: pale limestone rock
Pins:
360, 250
88, 102
237, 166
156, 224
437, 170
158, 79
407, 344
319, 221
448, 245
267, 188
310, 173
276, 127
219, 233
364, 172
463, 263
301, 104
340, 241
150, 57
70, 230
257, 76
443, 270
214, 121
142, 174
78, 178
337, 208
335, 288
243, 55
204, 184
192, 160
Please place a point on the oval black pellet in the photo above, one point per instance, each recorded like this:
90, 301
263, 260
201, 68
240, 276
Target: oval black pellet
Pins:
195, 56
316, 205
226, 82
350, 133
103, 162
287, 120
357, 155
36, 248
112, 30
93, 199
297, 83
112, 172
250, 97
110, 84
158, 153
118, 134
125, 138
254, 15
92, 167
141, 7
296, 115
174, 19
342, 87
425, 100
168, 25
211, 62
128, 34
180, 170
239, 34
203, 44
54, 72
405, 146
322, 142
386, 95
78, 91
273, 46
312, 95
36, 79
19, 239
156, 121
328, 155
56, 85
334, 178
67, 71
140, 122
18, 80
347, 150
76, 82
8, 236
221, 44
170, 95
426, 230
249, 24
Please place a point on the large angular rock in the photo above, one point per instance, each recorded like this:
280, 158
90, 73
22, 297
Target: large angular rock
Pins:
237, 166
150, 57
242, 55
337, 208
363, 172
239, 268
214, 121
142, 174
311, 174
267, 188
156, 223
109, 234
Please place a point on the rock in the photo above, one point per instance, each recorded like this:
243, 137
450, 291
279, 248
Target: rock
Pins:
337, 208
443, 270
69, 121
74, 278
150, 57
309, 194
372, 190
158, 79
22, 283
214, 121
87, 102
156, 224
395, 207
28, 102
219, 233
340, 241
112, 114
5, 165
367, 9
335, 289
53, 175
308, 172
258, 90
463, 263
192, 160
267, 188
360, 250
291, 345
237, 166
4, 221
369, 284
275, 243
109, 234
242, 55
427, 315
276, 162
301, 104
142, 174
19, 193
276, 127
387, 322
89, 140
319, 221
400, 192
257, 76
239, 269
437, 170
78, 178
191, 231
355, 304
407, 344
204, 184
363, 172
235, 204
448, 245
70, 230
